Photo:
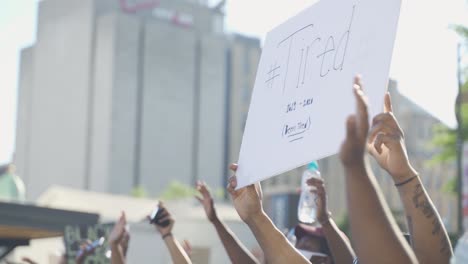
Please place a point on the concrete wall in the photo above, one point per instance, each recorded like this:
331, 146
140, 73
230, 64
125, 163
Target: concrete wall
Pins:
62, 65
102, 103
211, 125
125, 103
245, 55
23, 122
168, 105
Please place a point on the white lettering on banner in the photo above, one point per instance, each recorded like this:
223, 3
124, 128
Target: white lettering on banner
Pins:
303, 88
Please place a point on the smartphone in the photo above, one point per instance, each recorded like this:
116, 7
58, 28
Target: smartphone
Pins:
156, 215
97, 243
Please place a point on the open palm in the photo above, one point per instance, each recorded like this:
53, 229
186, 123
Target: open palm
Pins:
206, 200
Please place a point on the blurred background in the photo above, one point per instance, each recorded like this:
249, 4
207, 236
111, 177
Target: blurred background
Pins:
110, 105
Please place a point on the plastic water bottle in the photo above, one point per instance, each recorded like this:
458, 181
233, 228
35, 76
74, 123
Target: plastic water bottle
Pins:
307, 209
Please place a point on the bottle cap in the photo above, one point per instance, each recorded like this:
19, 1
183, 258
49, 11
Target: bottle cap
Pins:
313, 166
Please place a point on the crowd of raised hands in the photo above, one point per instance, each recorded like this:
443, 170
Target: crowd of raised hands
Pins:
375, 236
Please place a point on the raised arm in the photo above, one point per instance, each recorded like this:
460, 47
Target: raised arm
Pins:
234, 248
338, 242
429, 238
248, 203
375, 234
115, 239
178, 254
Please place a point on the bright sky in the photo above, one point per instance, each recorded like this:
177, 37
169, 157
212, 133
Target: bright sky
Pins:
424, 61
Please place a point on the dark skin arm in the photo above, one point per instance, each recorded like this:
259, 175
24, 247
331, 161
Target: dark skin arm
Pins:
237, 252
248, 204
339, 244
377, 237
115, 238
387, 145
178, 254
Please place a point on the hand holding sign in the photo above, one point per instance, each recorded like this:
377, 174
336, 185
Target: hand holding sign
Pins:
247, 201
301, 98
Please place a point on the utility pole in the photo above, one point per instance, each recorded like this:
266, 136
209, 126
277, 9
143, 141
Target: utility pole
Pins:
460, 142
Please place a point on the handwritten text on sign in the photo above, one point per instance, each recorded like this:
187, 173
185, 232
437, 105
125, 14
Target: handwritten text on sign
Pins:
303, 94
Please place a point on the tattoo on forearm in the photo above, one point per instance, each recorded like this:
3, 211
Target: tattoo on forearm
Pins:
421, 202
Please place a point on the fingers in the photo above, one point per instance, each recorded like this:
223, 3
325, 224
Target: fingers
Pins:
380, 128
233, 167
362, 109
203, 189
167, 217
232, 184
383, 139
389, 120
388, 103
122, 220
386, 118
318, 184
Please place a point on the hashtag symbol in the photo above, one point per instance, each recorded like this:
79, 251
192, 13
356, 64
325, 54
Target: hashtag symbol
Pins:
272, 75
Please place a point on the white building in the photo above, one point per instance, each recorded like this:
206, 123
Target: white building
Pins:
119, 94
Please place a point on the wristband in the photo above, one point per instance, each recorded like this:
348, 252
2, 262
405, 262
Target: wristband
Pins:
167, 235
406, 181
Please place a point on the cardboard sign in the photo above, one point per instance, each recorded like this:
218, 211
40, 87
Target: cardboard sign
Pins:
303, 89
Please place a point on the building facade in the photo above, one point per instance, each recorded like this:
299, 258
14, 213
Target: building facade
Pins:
282, 193
120, 94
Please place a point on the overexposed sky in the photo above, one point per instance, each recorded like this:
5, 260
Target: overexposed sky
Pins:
424, 61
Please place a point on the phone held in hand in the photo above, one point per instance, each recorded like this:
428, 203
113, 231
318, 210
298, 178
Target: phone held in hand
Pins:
156, 217
91, 247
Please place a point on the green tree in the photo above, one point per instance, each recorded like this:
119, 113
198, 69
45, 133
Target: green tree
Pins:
445, 139
177, 190
139, 192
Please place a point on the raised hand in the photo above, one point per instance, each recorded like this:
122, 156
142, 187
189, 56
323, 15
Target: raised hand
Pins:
165, 216
118, 232
206, 200
248, 200
124, 243
386, 144
357, 128
323, 215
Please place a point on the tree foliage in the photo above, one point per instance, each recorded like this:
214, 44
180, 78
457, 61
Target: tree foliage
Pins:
445, 138
177, 190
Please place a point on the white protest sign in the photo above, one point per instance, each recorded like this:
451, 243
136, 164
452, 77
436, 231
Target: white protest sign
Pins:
303, 89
